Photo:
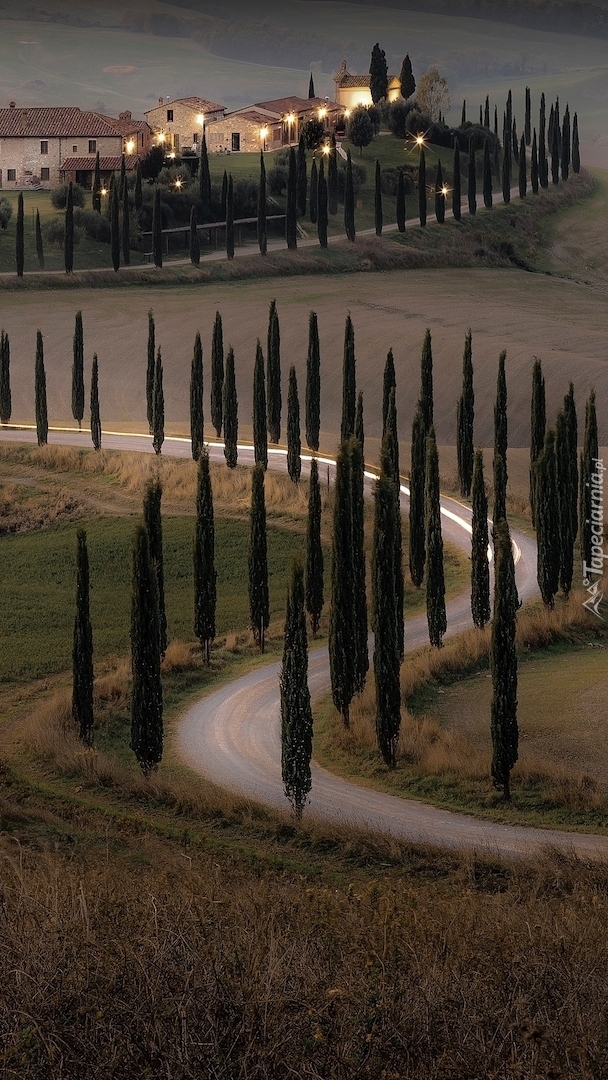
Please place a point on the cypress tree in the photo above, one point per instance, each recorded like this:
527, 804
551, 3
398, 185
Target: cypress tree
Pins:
439, 195
378, 71
138, 194
150, 370
273, 374
205, 575
465, 420
39, 244
359, 425
567, 495
515, 143
349, 400
504, 663
499, 511
69, 230
82, 647
435, 582
528, 120
486, 114
204, 178
543, 165
5, 379
332, 178
534, 176
463, 115
481, 115
126, 237
314, 551
154, 528
590, 513
538, 423
509, 109
78, 371
261, 224
157, 229
472, 185
487, 176
378, 200
566, 146
311, 87
349, 201
42, 422
361, 657
230, 218
302, 176
426, 383
95, 417
294, 445
19, 237
147, 693
480, 567
500, 442
313, 199
417, 478
555, 153
217, 374
197, 424
296, 713
523, 175
322, 209
259, 610
422, 189
313, 384
400, 211
114, 229
393, 445
496, 120
576, 152
96, 198
506, 174
341, 619
260, 438
456, 183
158, 414
123, 178
291, 216
389, 382
195, 247
224, 197
230, 412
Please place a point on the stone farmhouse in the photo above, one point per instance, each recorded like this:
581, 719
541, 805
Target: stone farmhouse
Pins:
353, 90
178, 125
269, 125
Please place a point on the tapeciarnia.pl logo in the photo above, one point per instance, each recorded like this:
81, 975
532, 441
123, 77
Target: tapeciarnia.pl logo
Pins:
595, 568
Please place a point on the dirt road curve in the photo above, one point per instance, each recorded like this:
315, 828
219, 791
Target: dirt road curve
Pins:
233, 736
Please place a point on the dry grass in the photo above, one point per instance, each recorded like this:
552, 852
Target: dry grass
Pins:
23, 508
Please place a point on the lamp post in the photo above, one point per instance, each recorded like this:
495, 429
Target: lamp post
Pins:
263, 137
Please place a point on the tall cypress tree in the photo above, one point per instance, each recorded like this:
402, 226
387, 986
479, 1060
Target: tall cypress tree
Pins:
302, 176
205, 575
543, 165
422, 189
400, 209
465, 414
480, 567
157, 229
566, 145
500, 442
259, 610
589, 510
195, 246
154, 527
509, 109
576, 151
158, 413
515, 143
426, 382
69, 230
313, 198
197, 423
204, 178
358, 565
528, 119
393, 445
296, 713
342, 639
322, 219
523, 175
230, 412
435, 581
506, 173
78, 371
472, 184
417, 478
439, 195
314, 551
487, 176
39, 244
147, 692
349, 401
349, 201
95, 416
150, 369
291, 216
554, 144
96, 197
538, 423
42, 422
534, 174
217, 374
114, 229
547, 521
567, 492
378, 72
260, 437
456, 183
359, 424
82, 647
389, 382
19, 237
313, 384
378, 199
463, 115
5, 379
332, 177
126, 232
273, 374
486, 113
138, 192
122, 182
499, 467
261, 224
294, 445
496, 119
311, 87
230, 218
503, 654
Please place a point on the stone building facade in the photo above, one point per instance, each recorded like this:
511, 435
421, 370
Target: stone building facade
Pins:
34, 143
353, 90
178, 125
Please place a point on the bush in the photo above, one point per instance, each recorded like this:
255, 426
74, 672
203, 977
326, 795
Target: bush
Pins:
359, 178
95, 225
152, 163
396, 118
389, 180
277, 179
360, 127
314, 133
53, 232
6, 211
59, 196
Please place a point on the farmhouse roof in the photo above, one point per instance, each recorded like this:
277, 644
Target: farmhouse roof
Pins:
346, 81
280, 106
197, 104
125, 124
54, 123
106, 164
255, 115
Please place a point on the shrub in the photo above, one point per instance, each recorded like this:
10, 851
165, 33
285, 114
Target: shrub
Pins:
95, 225
277, 179
389, 180
152, 163
6, 211
396, 118
314, 133
59, 196
54, 232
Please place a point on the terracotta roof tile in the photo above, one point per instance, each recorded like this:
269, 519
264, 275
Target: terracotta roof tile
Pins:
296, 105
195, 103
106, 164
125, 127
54, 123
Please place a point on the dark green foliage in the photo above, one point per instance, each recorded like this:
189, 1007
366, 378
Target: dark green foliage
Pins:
509, 110
332, 178
138, 192
114, 228
296, 713
42, 422
5, 378
96, 197
150, 369
435, 581
82, 648
19, 237
393, 443
487, 176
230, 412
534, 173
261, 224
341, 620
378, 200
322, 218
302, 177
359, 424
360, 128
273, 374
204, 177
158, 411
496, 120
313, 384
538, 422
259, 611
543, 165
389, 382
401, 202
205, 575
224, 197
456, 183
590, 512
314, 551
499, 511
311, 87
294, 445
349, 201
426, 383
122, 183
567, 488
505, 735
291, 206
480, 567
566, 145
378, 71
349, 402
361, 657
69, 230
95, 416
439, 195
486, 113
463, 115
154, 528
515, 144
422, 189
465, 417
147, 692
528, 119
506, 174
126, 238
523, 175
576, 152
230, 218
78, 371
417, 482
406, 78
217, 374
500, 409
195, 247
39, 244
313, 200
260, 438
157, 229
472, 180
197, 428
554, 147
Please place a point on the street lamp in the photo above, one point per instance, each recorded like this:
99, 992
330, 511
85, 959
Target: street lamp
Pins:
130, 146
263, 136
161, 138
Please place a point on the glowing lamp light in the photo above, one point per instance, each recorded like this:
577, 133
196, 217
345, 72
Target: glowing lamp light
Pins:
172, 155
200, 119
326, 148
347, 113
322, 114
263, 133
104, 191
291, 118
444, 191
161, 137
419, 140
130, 146
178, 183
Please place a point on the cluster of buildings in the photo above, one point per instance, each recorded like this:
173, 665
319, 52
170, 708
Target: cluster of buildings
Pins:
41, 147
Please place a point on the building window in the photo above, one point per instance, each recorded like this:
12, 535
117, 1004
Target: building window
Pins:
236, 141
44, 146
169, 116
45, 174
195, 139
11, 174
74, 149
92, 146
